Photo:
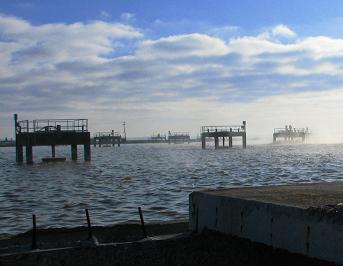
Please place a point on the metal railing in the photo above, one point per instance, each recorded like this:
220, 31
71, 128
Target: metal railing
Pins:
52, 125
292, 130
179, 134
106, 134
234, 128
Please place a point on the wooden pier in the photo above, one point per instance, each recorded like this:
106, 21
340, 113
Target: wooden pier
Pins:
51, 132
223, 132
290, 134
107, 138
178, 137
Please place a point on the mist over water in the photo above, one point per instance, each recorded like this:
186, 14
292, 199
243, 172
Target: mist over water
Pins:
156, 177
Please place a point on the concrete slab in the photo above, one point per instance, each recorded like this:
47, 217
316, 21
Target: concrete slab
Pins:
301, 218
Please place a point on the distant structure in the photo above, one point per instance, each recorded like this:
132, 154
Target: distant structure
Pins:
51, 132
124, 132
223, 132
290, 134
7, 142
158, 138
178, 137
107, 138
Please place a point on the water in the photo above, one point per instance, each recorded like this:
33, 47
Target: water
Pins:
157, 177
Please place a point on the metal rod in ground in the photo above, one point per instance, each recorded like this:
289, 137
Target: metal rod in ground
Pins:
34, 232
89, 225
142, 221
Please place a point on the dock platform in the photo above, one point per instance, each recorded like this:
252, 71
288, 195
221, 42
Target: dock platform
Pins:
51, 132
223, 132
301, 218
105, 138
178, 137
290, 134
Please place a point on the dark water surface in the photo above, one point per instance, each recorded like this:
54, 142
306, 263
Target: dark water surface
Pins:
157, 177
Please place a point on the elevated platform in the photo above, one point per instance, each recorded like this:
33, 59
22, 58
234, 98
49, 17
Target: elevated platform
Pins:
51, 132
111, 138
178, 137
223, 132
290, 134
301, 218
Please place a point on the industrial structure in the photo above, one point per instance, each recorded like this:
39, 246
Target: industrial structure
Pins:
223, 132
51, 132
107, 138
178, 137
290, 134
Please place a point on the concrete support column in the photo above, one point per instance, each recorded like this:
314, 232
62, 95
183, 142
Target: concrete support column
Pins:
94, 142
223, 142
230, 142
203, 142
99, 142
216, 142
29, 157
87, 152
53, 151
244, 141
119, 140
74, 152
19, 154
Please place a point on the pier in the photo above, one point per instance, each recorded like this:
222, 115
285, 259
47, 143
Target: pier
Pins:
51, 132
107, 138
178, 137
223, 133
290, 134
300, 218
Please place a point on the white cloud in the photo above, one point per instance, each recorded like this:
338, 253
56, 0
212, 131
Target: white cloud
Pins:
283, 31
173, 82
128, 17
104, 14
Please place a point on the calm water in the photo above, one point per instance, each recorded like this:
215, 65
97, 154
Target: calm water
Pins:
157, 177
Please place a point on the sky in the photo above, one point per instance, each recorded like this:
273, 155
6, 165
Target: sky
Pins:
170, 65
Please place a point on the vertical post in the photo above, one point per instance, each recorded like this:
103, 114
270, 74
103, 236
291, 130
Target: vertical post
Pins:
34, 232
230, 141
28, 149
216, 142
119, 140
244, 140
87, 152
53, 151
90, 234
142, 221
274, 138
203, 141
19, 153
223, 142
94, 141
74, 152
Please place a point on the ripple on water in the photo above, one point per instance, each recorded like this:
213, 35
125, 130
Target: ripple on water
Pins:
158, 178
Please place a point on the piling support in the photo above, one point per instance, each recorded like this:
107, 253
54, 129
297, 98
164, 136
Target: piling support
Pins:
29, 159
244, 141
118, 142
53, 151
34, 232
19, 153
87, 152
142, 222
203, 142
216, 142
230, 142
74, 152
89, 226
223, 142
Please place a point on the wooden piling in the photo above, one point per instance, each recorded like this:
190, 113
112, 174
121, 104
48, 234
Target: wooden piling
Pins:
73, 152
29, 156
34, 232
142, 222
53, 151
90, 234
87, 152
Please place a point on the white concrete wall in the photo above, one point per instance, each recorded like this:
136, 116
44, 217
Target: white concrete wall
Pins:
290, 228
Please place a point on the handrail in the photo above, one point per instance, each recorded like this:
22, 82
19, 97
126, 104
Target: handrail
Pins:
52, 125
106, 134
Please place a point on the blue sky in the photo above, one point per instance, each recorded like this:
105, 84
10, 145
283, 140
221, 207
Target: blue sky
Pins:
165, 65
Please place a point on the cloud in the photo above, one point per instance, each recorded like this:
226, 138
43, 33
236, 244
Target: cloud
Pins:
127, 17
181, 81
104, 14
283, 31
